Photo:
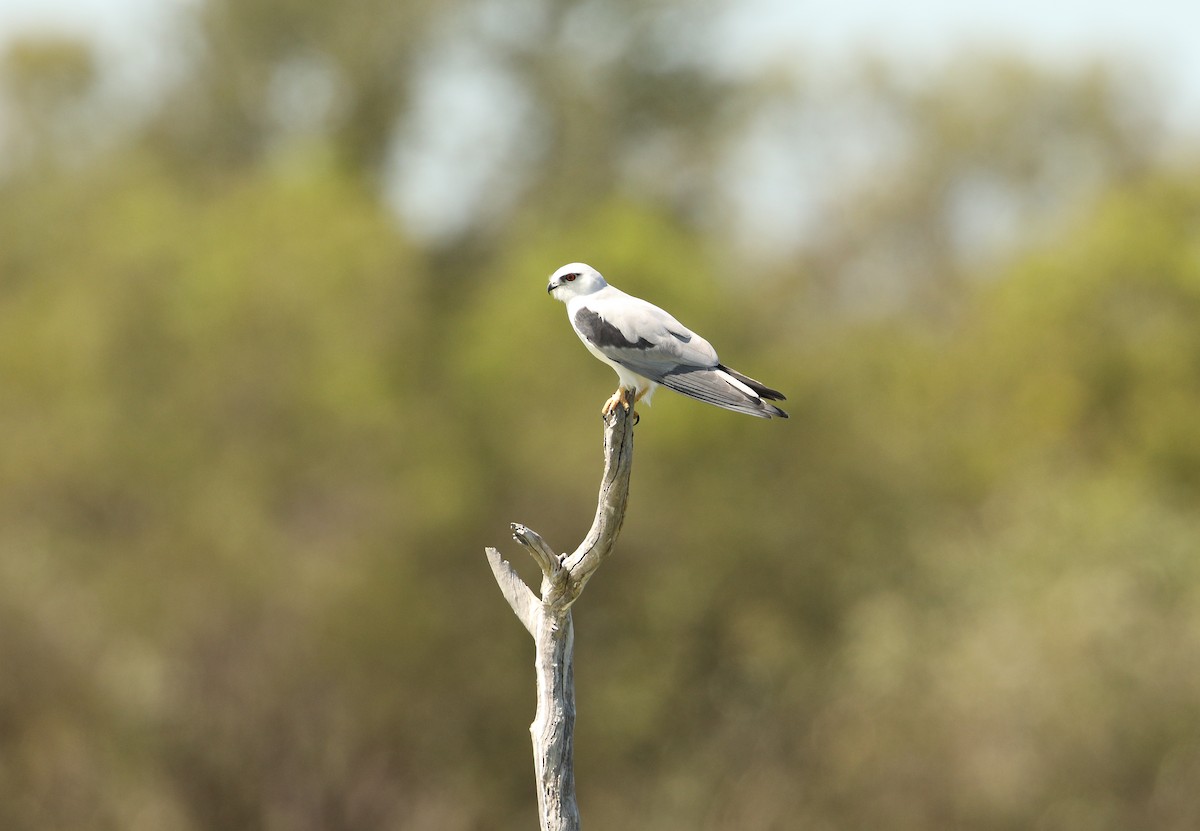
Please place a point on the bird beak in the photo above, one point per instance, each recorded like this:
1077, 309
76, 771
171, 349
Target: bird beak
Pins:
551, 287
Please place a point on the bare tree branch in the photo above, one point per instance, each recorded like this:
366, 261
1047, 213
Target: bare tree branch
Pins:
610, 506
548, 619
523, 601
554, 577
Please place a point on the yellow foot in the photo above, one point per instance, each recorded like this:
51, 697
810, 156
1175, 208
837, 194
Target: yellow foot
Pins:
620, 398
638, 397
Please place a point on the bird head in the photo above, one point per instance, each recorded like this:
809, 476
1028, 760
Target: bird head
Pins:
574, 280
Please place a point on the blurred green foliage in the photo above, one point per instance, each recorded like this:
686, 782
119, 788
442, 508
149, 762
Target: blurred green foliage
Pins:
257, 435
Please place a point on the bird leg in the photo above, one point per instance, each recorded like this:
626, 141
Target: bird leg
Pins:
640, 395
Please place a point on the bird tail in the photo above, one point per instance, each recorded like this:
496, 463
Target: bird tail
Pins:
759, 387
725, 388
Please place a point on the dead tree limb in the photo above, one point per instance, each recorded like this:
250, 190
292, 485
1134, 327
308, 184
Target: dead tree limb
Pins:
548, 619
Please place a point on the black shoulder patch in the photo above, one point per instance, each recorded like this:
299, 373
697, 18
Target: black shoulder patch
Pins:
602, 333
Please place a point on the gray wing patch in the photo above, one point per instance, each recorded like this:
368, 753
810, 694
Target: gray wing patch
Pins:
680, 336
602, 333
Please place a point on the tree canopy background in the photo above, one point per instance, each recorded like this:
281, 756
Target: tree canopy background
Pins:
263, 407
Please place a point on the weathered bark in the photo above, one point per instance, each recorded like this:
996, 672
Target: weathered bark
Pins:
548, 619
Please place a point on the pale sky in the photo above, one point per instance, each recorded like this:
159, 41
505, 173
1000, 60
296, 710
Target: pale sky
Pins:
1161, 35
1158, 37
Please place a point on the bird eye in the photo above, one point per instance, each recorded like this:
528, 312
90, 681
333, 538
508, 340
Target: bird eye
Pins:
570, 278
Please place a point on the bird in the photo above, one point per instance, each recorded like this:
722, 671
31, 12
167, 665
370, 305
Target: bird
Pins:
648, 347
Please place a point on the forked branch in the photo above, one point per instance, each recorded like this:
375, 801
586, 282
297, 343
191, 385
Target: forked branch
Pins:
548, 619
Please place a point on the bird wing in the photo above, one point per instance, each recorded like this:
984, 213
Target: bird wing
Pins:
639, 335
651, 343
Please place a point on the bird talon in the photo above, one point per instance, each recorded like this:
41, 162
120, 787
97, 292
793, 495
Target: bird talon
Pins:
620, 398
